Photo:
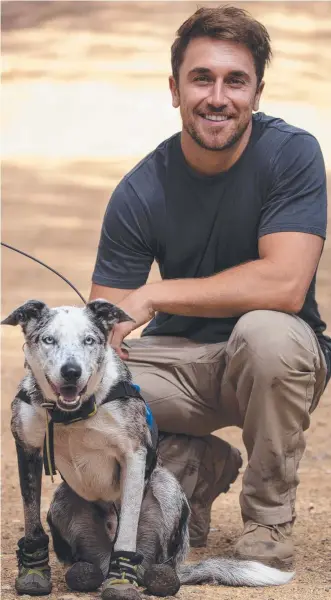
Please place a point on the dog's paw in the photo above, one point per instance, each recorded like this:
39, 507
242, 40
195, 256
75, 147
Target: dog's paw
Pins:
34, 582
161, 580
119, 591
84, 577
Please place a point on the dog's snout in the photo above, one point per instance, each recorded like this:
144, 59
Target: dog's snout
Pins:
71, 372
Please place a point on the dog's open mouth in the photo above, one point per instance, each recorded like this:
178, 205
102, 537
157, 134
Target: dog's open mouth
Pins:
69, 397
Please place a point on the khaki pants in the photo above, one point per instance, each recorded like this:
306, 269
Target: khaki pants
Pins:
266, 379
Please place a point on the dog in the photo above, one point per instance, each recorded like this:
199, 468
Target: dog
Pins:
119, 519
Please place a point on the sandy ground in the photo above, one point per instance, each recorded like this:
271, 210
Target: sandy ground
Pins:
84, 88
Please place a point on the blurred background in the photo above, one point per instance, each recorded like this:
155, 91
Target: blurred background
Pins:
84, 98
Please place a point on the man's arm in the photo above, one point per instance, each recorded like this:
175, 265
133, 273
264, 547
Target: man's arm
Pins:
278, 280
113, 295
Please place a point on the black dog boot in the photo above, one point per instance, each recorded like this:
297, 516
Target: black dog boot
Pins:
121, 582
34, 573
84, 577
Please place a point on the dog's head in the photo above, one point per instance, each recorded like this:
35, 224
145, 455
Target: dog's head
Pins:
66, 346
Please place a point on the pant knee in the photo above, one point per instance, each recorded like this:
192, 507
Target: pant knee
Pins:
274, 342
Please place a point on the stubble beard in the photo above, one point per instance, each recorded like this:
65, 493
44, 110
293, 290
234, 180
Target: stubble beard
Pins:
234, 138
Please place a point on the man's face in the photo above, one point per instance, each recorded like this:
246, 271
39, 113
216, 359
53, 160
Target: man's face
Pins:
217, 92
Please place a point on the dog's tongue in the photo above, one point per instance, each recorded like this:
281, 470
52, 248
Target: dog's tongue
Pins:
69, 393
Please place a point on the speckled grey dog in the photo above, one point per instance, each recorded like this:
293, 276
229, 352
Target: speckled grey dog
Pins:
119, 518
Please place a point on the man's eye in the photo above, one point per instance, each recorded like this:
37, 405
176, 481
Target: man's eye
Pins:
236, 81
202, 79
89, 340
49, 340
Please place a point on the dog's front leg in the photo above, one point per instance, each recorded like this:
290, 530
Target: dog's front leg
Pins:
34, 576
122, 577
30, 472
28, 429
132, 490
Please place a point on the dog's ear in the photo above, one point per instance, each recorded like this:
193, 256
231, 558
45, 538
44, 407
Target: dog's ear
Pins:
106, 313
32, 309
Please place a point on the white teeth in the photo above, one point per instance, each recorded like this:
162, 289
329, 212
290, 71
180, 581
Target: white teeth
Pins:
63, 400
215, 117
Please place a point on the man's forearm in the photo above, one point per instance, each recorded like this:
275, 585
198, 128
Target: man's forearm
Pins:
250, 286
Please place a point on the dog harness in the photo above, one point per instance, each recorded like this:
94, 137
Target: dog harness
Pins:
123, 390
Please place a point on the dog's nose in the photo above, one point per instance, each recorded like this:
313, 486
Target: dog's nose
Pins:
71, 372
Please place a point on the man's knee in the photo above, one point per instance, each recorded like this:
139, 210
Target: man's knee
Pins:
274, 342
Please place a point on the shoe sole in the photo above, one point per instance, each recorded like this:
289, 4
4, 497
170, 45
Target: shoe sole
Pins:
282, 564
33, 591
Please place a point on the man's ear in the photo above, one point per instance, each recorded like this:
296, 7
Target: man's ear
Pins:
174, 92
106, 313
32, 309
258, 96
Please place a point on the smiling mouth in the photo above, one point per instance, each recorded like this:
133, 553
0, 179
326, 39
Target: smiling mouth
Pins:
68, 396
215, 118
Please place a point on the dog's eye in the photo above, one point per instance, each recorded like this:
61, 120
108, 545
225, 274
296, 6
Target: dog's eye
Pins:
89, 340
48, 339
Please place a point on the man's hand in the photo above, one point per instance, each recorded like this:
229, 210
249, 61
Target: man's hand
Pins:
138, 306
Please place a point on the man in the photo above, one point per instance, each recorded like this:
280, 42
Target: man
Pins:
234, 211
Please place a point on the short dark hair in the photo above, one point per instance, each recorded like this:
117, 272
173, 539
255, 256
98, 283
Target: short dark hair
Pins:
223, 23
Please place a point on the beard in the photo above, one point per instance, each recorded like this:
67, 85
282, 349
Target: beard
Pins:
216, 147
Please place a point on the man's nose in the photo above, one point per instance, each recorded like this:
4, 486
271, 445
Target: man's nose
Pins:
71, 372
217, 97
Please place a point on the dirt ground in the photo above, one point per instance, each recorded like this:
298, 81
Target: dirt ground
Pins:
63, 155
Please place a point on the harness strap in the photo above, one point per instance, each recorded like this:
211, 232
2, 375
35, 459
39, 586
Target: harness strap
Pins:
24, 396
48, 454
87, 410
123, 390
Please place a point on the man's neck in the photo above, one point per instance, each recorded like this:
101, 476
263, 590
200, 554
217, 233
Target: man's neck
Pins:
211, 162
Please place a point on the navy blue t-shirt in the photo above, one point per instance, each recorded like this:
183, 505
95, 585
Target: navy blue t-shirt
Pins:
196, 226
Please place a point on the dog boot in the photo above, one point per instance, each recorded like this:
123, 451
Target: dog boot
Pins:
34, 573
122, 582
84, 577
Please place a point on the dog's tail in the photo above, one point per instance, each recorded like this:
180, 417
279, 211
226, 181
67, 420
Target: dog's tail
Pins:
224, 571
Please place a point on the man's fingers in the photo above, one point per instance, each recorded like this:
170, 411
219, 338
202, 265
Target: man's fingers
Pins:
123, 354
118, 336
118, 333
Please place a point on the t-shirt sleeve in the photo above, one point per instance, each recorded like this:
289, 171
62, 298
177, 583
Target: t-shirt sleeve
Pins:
297, 198
125, 252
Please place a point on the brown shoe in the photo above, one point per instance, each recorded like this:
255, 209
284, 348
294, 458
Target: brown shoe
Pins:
219, 468
268, 544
